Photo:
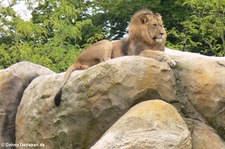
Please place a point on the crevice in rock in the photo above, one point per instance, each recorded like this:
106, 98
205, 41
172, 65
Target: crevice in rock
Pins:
220, 63
187, 109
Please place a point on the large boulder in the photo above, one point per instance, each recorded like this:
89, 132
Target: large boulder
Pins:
204, 136
13, 82
201, 81
150, 124
92, 101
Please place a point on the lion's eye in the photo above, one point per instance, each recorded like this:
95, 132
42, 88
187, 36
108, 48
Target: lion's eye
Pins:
154, 25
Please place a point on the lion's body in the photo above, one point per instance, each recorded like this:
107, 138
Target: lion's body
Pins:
147, 37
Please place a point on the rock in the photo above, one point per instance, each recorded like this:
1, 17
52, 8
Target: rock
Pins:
13, 82
92, 101
203, 136
201, 81
150, 124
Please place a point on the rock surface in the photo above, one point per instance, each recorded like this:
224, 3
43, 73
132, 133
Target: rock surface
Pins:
203, 136
150, 124
94, 99
201, 81
13, 82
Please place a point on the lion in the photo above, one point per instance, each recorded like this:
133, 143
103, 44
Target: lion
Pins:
146, 37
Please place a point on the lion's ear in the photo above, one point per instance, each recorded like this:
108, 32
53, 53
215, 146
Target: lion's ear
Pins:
158, 15
144, 19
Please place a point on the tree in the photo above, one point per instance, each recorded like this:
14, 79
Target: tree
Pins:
112, 17
203, 30
53, 37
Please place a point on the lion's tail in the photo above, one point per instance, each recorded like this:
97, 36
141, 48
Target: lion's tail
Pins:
57, 98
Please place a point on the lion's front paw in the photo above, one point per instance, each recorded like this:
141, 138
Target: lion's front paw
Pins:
171, 62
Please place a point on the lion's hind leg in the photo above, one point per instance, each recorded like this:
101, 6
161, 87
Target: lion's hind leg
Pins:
106, 50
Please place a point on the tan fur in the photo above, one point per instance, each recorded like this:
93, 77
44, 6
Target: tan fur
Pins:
147, 37
97, 53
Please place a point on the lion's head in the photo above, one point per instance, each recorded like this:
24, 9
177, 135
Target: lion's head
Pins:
147, 27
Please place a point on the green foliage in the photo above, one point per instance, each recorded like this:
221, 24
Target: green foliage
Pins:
53, 38
112, 17
203, 30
